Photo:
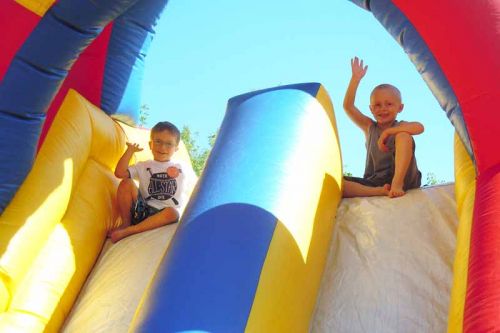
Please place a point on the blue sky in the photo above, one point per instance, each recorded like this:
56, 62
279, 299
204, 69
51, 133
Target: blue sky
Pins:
206, 52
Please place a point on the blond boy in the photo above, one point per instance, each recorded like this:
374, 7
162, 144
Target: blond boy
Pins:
391, 168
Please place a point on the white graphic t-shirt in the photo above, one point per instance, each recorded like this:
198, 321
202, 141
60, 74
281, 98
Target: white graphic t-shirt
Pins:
161, 184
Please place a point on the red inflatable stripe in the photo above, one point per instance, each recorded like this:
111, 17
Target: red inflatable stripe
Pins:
16, 23
464, 39
86, 77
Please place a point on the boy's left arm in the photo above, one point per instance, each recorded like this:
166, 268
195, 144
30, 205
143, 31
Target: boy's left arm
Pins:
412, 128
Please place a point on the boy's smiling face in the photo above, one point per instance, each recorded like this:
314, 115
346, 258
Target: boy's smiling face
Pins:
385, 104
163, 145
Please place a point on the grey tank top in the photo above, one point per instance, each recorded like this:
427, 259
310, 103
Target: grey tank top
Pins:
379, 166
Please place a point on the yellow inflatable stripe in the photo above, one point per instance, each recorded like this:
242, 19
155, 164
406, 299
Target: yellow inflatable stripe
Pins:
41, 201
90, 204
324, 99
292, 271
71, 168
40, 291
38, 7
13, 322
465, 189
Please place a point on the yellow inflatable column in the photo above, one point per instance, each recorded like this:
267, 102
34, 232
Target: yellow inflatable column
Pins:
465, 189
54, 228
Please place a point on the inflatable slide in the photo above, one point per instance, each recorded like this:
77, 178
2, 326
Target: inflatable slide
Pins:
381, 275
251, 248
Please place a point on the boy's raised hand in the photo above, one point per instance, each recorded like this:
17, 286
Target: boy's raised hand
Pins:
134, 147
358, 70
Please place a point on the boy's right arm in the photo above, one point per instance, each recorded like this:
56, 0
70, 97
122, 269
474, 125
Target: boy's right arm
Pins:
121, 170
358, 72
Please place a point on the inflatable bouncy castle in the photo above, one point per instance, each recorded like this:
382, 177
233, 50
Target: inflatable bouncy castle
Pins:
260, 243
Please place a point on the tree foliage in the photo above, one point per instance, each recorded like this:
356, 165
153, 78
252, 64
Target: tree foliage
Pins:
198, 155
143, 114
432, 179
346, 172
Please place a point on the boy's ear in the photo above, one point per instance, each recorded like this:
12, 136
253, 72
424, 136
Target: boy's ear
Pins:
401, 107
150, 144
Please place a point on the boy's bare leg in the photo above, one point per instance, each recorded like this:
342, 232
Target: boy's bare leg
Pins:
404, 152
126, 195
353, 189
164, 217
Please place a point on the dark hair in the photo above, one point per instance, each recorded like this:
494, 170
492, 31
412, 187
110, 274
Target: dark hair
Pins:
387, 86
166, 126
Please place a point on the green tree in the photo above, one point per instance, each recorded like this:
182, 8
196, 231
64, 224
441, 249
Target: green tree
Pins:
347, 173
432, 179
198, 155
143, 114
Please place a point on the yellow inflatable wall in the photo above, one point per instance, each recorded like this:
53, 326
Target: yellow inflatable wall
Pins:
55, 227
465, 189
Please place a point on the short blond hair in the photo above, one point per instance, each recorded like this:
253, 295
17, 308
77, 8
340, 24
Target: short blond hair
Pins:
387, 86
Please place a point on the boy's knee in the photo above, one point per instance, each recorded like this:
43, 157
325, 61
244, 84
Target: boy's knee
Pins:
170, 214
403, 137
127, 185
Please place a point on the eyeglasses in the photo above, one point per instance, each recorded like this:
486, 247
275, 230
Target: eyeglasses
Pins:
158, 142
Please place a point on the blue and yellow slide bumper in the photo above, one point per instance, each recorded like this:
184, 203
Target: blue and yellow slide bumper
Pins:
250, 250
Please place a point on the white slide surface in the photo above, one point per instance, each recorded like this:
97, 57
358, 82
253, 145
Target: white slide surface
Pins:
390, 264
389, 269
112, 293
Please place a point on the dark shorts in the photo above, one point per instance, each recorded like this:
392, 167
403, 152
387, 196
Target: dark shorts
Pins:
408, 185
363, 181
140, 210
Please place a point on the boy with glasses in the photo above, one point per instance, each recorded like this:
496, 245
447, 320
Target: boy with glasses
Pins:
161, 181
391, 167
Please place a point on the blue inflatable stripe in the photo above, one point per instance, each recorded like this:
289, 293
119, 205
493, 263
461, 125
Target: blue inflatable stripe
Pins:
213, 270
398, 25
129, 42
89, 15
17, 161
311, 88
362, 3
